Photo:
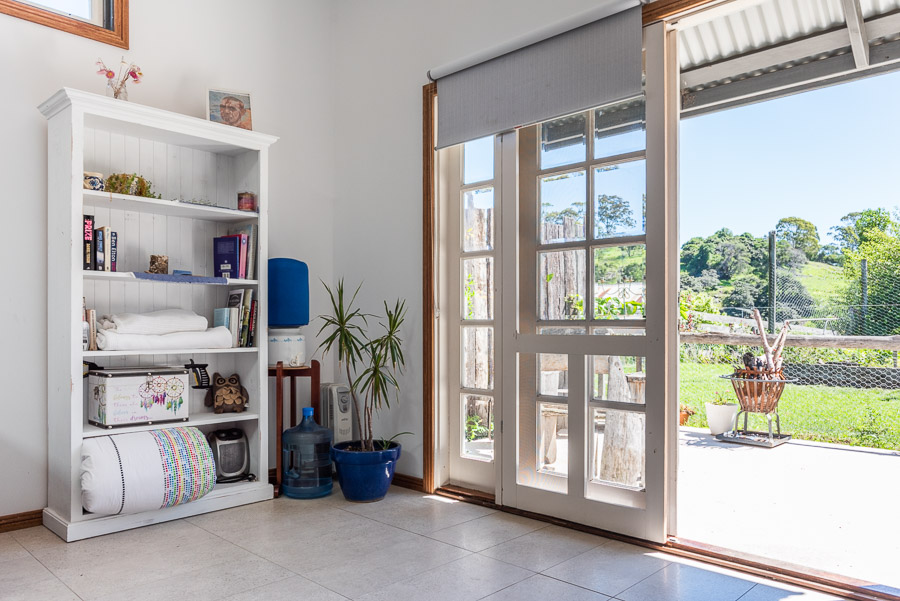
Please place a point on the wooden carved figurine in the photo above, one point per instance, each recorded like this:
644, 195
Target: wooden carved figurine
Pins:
159, 264
227, 395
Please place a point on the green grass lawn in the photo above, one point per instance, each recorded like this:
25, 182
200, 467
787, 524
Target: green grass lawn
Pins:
862, 418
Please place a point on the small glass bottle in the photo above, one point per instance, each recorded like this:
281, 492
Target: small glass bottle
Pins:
306, 459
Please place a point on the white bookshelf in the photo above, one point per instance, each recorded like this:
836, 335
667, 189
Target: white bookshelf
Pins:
184, 158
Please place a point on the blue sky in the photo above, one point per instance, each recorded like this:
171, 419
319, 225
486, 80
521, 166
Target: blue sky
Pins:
817, 155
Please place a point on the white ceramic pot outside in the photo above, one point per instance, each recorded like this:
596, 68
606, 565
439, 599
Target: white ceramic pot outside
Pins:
721, 417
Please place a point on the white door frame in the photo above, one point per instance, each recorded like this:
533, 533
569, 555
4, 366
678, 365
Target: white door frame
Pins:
645, 514
656, 516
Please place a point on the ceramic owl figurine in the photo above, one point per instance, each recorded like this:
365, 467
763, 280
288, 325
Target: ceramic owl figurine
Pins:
227, 394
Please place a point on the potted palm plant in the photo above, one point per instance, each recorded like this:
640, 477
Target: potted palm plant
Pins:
365, 466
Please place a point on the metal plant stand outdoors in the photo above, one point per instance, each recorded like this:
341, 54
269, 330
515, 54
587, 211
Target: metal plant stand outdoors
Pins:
757, 392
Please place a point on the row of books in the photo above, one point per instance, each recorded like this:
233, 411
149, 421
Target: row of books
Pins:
234, 255
100, 246
239, 317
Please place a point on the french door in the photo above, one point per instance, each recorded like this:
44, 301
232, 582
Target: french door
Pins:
563, 326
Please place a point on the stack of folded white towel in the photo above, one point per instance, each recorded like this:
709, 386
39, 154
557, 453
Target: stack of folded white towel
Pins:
170, 329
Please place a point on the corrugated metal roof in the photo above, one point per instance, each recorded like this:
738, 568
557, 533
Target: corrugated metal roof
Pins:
766, 23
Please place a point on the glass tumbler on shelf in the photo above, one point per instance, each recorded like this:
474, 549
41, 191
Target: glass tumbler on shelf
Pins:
306, 459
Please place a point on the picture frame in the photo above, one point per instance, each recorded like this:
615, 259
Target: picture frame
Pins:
236, 107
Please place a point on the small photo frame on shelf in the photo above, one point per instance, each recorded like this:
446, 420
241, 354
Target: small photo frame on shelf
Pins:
230, 108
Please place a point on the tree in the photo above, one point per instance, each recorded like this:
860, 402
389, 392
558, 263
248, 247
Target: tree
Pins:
745, 293
575, 211
830, 254
613, 214
800, 234
879, 245
859, 224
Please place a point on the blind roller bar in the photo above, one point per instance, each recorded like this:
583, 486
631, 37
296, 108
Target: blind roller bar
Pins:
574, 22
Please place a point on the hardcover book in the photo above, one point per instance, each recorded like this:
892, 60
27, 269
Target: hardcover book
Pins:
226, 256
251, 231
242, 260
103, 234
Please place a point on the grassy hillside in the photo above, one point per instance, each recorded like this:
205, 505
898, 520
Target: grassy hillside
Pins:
824, 282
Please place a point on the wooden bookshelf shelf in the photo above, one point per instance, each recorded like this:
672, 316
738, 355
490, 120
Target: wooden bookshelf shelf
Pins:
128, 276
171, 208
190, 351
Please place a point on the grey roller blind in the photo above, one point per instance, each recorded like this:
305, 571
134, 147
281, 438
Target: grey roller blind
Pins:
588, 66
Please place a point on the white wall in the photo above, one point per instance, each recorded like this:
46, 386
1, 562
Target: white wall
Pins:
276, 50
384, 49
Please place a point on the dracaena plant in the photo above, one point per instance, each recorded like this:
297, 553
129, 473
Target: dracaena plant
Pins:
371, 364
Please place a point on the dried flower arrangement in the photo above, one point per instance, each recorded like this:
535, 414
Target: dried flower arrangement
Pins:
115, 84
130, 183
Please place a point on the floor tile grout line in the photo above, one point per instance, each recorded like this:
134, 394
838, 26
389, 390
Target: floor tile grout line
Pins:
545, 526
274, 563
46, 567
747, 592
532, 575
655, 572
585, 588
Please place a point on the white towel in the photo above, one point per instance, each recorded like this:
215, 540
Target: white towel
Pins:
166, 321
111, 340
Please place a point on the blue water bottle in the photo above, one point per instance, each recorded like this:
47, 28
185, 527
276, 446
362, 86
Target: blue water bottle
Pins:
306, 459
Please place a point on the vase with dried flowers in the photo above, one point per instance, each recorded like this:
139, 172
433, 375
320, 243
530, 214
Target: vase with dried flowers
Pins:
116, 84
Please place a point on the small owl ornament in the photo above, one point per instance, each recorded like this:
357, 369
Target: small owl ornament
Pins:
227, 395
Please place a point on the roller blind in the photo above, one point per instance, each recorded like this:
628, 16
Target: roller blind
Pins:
593, 64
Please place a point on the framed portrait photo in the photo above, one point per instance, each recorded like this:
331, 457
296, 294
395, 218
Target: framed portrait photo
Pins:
230, 108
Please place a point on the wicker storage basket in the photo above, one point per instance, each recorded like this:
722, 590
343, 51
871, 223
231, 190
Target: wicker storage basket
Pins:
758, 391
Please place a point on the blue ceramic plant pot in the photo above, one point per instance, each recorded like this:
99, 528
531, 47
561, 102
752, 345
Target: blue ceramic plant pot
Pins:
365, 476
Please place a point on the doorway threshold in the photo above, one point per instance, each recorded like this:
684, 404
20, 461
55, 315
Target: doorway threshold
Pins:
825, 582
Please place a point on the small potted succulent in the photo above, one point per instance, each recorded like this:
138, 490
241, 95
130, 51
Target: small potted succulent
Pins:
721, 414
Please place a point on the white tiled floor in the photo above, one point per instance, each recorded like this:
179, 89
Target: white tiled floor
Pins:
407, 547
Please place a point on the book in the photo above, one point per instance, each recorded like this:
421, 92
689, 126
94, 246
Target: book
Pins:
245, 316
234, 324
242, 260
226, 256
113, 250
235, 297
221, 317
253, 317
92, 324
251, 230
99, 249
88, 242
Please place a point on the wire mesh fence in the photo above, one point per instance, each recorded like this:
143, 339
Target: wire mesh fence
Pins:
842, 355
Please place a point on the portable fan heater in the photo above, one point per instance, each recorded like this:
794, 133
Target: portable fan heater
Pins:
231, 452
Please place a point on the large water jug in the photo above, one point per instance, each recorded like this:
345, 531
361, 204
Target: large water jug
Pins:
306, 459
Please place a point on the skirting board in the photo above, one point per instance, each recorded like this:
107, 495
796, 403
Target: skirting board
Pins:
229, 497
410, 482
19, 521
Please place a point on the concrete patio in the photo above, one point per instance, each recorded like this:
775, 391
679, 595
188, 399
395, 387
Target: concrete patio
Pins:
829, 507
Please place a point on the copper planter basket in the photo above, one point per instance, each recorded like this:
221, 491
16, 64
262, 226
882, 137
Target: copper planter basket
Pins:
757, 391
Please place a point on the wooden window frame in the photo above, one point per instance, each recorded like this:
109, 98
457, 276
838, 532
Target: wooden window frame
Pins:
117, 36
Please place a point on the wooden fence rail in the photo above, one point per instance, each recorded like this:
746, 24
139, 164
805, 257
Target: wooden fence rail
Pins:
877, 343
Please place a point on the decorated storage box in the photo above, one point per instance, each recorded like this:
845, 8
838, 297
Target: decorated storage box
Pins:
130, 396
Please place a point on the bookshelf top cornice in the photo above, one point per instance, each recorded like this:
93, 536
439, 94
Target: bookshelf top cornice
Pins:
138, 119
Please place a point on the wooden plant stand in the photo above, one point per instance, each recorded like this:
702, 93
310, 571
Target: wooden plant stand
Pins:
279, 371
